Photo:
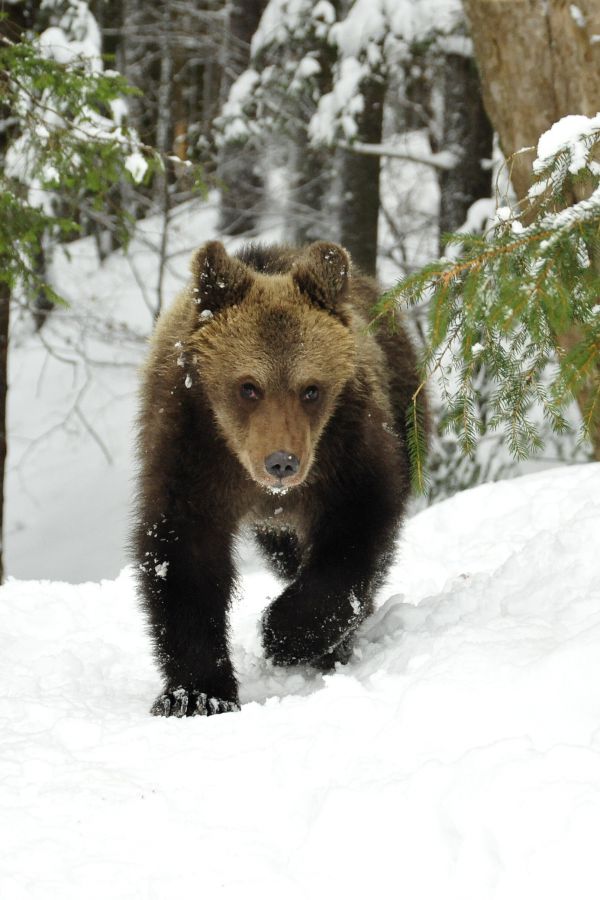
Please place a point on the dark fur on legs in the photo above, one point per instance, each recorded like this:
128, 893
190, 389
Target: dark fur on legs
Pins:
350, 546
280, 549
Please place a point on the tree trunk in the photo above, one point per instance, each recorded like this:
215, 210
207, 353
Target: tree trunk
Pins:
242, 185
359, 209
12, 26
467, 132
538, 63
311, 177
312, 170
4, 321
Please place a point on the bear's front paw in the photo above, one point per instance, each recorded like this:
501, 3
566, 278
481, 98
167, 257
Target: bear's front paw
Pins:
298, 633
182, 703
289, 651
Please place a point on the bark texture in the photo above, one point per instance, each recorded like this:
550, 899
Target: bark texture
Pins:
242, 186
359, 208
4, 321
538, 63
469, 135
16, 20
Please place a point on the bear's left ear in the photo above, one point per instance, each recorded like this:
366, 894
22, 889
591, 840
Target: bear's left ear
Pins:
219, 280
322, 273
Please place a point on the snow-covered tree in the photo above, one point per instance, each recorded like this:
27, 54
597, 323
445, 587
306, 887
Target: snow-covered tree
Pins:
272, 102
323, 75
506, 301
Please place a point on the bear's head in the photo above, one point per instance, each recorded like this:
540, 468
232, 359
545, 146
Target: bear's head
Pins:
273, 354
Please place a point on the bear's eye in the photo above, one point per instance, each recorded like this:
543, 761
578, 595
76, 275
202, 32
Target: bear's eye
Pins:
250, 391
310, 394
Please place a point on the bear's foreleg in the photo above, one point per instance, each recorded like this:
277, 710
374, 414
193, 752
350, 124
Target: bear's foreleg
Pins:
281, 550
314, 619
187, 578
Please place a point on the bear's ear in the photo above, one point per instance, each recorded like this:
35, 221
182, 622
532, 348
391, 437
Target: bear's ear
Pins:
322, 273
219, 280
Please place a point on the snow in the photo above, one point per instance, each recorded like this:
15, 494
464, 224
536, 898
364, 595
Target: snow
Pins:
396, 149
307, 67
234, 123
161, 569
411, 186
577, 16
365, 24
372, 35
137, 166
341, 106
279, 19
504, 213
323, 14
569, 134
86, 359
479, 214
55, 44
377, 22
457, 755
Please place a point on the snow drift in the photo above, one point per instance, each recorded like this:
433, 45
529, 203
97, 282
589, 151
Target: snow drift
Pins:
456, 756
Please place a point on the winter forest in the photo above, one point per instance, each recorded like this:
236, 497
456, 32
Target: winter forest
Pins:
453, 148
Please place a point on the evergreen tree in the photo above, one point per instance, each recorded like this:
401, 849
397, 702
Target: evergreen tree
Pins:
505, 302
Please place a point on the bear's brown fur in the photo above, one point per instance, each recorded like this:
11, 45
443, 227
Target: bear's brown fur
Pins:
266, 399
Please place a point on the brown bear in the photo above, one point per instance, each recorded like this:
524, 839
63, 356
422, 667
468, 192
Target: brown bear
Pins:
267, 399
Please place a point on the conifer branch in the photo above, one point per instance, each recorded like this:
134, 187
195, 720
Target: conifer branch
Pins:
506, 302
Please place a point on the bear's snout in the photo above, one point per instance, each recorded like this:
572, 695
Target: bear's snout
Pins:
282, 464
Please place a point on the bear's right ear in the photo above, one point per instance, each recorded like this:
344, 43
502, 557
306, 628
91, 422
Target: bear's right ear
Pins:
219, 280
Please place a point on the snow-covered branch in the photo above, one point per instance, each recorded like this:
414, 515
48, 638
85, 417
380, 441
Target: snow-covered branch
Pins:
444, 161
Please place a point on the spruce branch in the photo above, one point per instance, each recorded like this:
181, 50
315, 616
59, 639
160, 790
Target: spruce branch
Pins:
523, 304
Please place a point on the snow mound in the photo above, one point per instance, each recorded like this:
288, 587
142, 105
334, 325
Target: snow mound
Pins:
456, 756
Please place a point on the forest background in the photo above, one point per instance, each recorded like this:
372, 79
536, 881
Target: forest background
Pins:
382, 125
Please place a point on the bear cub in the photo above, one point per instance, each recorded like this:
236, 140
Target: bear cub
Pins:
267, 400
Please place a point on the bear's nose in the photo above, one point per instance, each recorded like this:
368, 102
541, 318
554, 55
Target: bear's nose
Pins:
282, 464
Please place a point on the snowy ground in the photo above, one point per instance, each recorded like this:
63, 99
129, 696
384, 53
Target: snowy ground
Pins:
457, 756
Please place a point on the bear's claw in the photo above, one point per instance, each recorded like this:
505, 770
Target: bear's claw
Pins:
183, 703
